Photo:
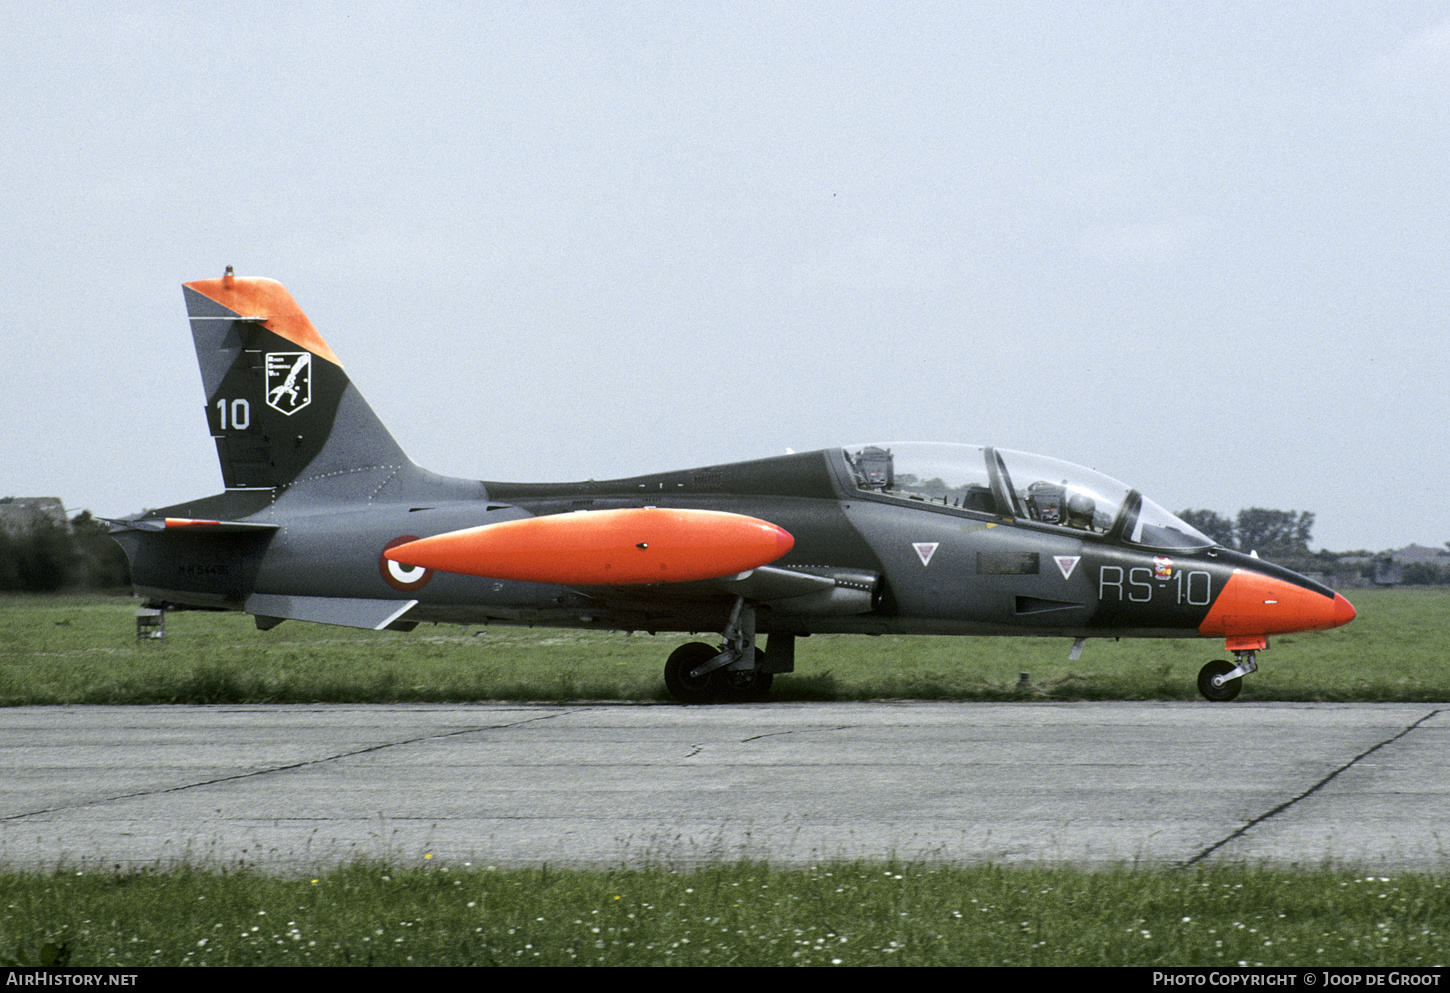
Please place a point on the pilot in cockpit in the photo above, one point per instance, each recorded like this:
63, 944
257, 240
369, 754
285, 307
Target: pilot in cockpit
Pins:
1056, 503
1080, 511
873, 469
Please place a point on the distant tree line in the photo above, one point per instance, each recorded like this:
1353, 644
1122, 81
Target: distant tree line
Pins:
1283, 536
1424, 574
48, 556
1275, 534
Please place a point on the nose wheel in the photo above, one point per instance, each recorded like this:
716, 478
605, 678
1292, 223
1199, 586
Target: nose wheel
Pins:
1221, 681
1213, 685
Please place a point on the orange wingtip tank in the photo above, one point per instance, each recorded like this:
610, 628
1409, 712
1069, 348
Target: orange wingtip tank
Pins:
1255, 604
604, 547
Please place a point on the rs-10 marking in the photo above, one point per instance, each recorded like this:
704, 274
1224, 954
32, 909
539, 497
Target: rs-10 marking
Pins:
1192, 587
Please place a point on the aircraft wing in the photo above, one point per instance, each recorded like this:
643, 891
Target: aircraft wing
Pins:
786, 591
191, 525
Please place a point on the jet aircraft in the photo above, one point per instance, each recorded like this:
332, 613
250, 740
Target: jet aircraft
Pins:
323, 518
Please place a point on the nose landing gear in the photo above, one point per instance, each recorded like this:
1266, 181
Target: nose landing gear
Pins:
1220, 681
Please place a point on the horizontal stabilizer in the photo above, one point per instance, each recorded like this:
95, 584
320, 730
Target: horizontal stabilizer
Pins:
628, 547
353, 612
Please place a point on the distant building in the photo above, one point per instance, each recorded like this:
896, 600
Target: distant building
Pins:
1388, 572
1413, 564
1419, 553
19, 515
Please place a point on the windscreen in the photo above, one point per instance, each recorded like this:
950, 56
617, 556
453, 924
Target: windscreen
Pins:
1019, 485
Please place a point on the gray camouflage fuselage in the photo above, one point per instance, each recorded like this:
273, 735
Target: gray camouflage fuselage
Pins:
316, 489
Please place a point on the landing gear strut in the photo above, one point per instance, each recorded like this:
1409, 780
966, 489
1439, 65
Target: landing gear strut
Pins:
735, 671
1221, 681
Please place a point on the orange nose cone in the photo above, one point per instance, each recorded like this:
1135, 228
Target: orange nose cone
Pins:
1343, 611
1256, 604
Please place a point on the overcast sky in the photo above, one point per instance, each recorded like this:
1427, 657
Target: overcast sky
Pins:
1201, 247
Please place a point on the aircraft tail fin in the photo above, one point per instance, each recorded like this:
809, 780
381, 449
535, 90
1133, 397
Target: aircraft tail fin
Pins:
280, 407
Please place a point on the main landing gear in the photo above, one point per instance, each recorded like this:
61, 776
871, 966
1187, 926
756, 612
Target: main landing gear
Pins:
1221, 681
697, 673
736, 671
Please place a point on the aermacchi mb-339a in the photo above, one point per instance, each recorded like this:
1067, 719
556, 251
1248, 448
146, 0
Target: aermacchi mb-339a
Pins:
325, 519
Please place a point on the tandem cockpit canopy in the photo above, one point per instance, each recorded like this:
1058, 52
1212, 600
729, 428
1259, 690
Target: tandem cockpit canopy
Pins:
1020, 486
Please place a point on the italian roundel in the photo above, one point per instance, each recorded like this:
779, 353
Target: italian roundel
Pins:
399, 576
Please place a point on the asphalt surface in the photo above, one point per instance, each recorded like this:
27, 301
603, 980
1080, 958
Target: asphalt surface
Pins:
293, 788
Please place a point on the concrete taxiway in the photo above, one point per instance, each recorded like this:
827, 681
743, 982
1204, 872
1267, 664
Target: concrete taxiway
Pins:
293, 788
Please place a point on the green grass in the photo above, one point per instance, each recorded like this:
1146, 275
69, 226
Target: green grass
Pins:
852, 914
82, 650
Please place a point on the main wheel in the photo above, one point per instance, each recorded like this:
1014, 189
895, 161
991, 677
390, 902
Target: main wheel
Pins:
692, 689
1225, 692
747, 687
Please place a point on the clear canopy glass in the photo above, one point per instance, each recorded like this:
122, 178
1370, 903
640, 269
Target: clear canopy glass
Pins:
1018, 485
